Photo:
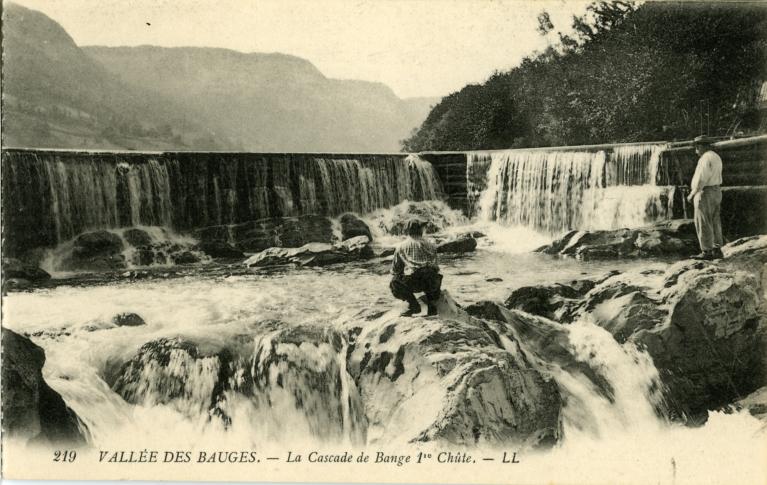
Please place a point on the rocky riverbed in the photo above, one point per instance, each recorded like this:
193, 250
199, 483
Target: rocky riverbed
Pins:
531, 350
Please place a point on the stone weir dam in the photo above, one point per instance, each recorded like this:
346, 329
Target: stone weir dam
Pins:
51, 196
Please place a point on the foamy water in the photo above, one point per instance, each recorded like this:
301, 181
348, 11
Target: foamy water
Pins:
627, 438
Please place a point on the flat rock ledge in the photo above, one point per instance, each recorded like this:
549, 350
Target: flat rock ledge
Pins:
668, 238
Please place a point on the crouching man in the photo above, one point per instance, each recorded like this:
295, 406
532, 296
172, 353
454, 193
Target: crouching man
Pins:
415, 269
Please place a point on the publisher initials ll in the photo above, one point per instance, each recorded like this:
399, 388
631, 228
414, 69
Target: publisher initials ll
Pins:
509, 458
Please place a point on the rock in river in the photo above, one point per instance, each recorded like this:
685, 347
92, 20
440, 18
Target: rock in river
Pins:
353, 226
465, 244
314, 254
14, 268
31, 409
128, 320
450, 379
97, 250
703, 323
668, 238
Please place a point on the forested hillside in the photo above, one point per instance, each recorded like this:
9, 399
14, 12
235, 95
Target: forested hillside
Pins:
659, 71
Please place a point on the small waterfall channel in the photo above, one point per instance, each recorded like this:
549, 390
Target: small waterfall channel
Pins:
558, 190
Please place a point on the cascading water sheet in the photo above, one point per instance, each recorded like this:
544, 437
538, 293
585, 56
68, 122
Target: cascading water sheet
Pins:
559, 190
67, 194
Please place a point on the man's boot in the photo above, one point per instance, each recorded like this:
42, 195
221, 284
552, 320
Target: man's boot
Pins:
412, 309
432, 310
704, 256
717, 253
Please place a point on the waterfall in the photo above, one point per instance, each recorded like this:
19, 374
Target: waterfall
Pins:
63, 194
559, 190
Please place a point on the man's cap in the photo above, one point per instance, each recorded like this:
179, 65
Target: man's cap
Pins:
703, 140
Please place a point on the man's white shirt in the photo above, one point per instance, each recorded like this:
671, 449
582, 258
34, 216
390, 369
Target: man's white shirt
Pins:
708, 171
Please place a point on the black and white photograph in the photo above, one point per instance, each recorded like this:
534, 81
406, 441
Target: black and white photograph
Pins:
384, 241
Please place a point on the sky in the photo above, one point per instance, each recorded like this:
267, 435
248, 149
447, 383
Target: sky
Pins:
416, 47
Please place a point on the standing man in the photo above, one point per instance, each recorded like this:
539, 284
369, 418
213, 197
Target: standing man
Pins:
706, 194
415, 269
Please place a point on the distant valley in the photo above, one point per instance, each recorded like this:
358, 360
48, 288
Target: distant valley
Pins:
59, 95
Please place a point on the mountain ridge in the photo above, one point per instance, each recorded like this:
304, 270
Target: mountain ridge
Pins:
60, 95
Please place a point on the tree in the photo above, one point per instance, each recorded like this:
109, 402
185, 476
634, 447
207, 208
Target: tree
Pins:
625, 74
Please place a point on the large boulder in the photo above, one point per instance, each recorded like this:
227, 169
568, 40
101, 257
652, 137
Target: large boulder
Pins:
174, 372
31, 409
435, 215
292, 377
14, 268
97, 250
449, 379
557, 301
710, 349
314, 254
306, 364
353, 226
703, 323
137, 237
464, 244
668, 238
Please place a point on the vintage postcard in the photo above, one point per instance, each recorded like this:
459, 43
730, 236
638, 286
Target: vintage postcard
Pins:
384, 241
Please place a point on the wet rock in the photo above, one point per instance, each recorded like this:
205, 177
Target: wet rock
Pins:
557, 301
97, 243
546, 301
293, 376
458, 245
473, 234
307, 363
704, 323
710, 349
128, 320
432, 213
185, 257
14, 268
31, 409
12, 284
98, 250
137, 237
450, 379
172, 371
621, 309
755, 403
314, 254
218, 249
144, 257
353, 226
386, 252
297, 231
668, 238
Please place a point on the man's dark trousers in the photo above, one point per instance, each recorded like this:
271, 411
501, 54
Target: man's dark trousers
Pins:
427, 280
